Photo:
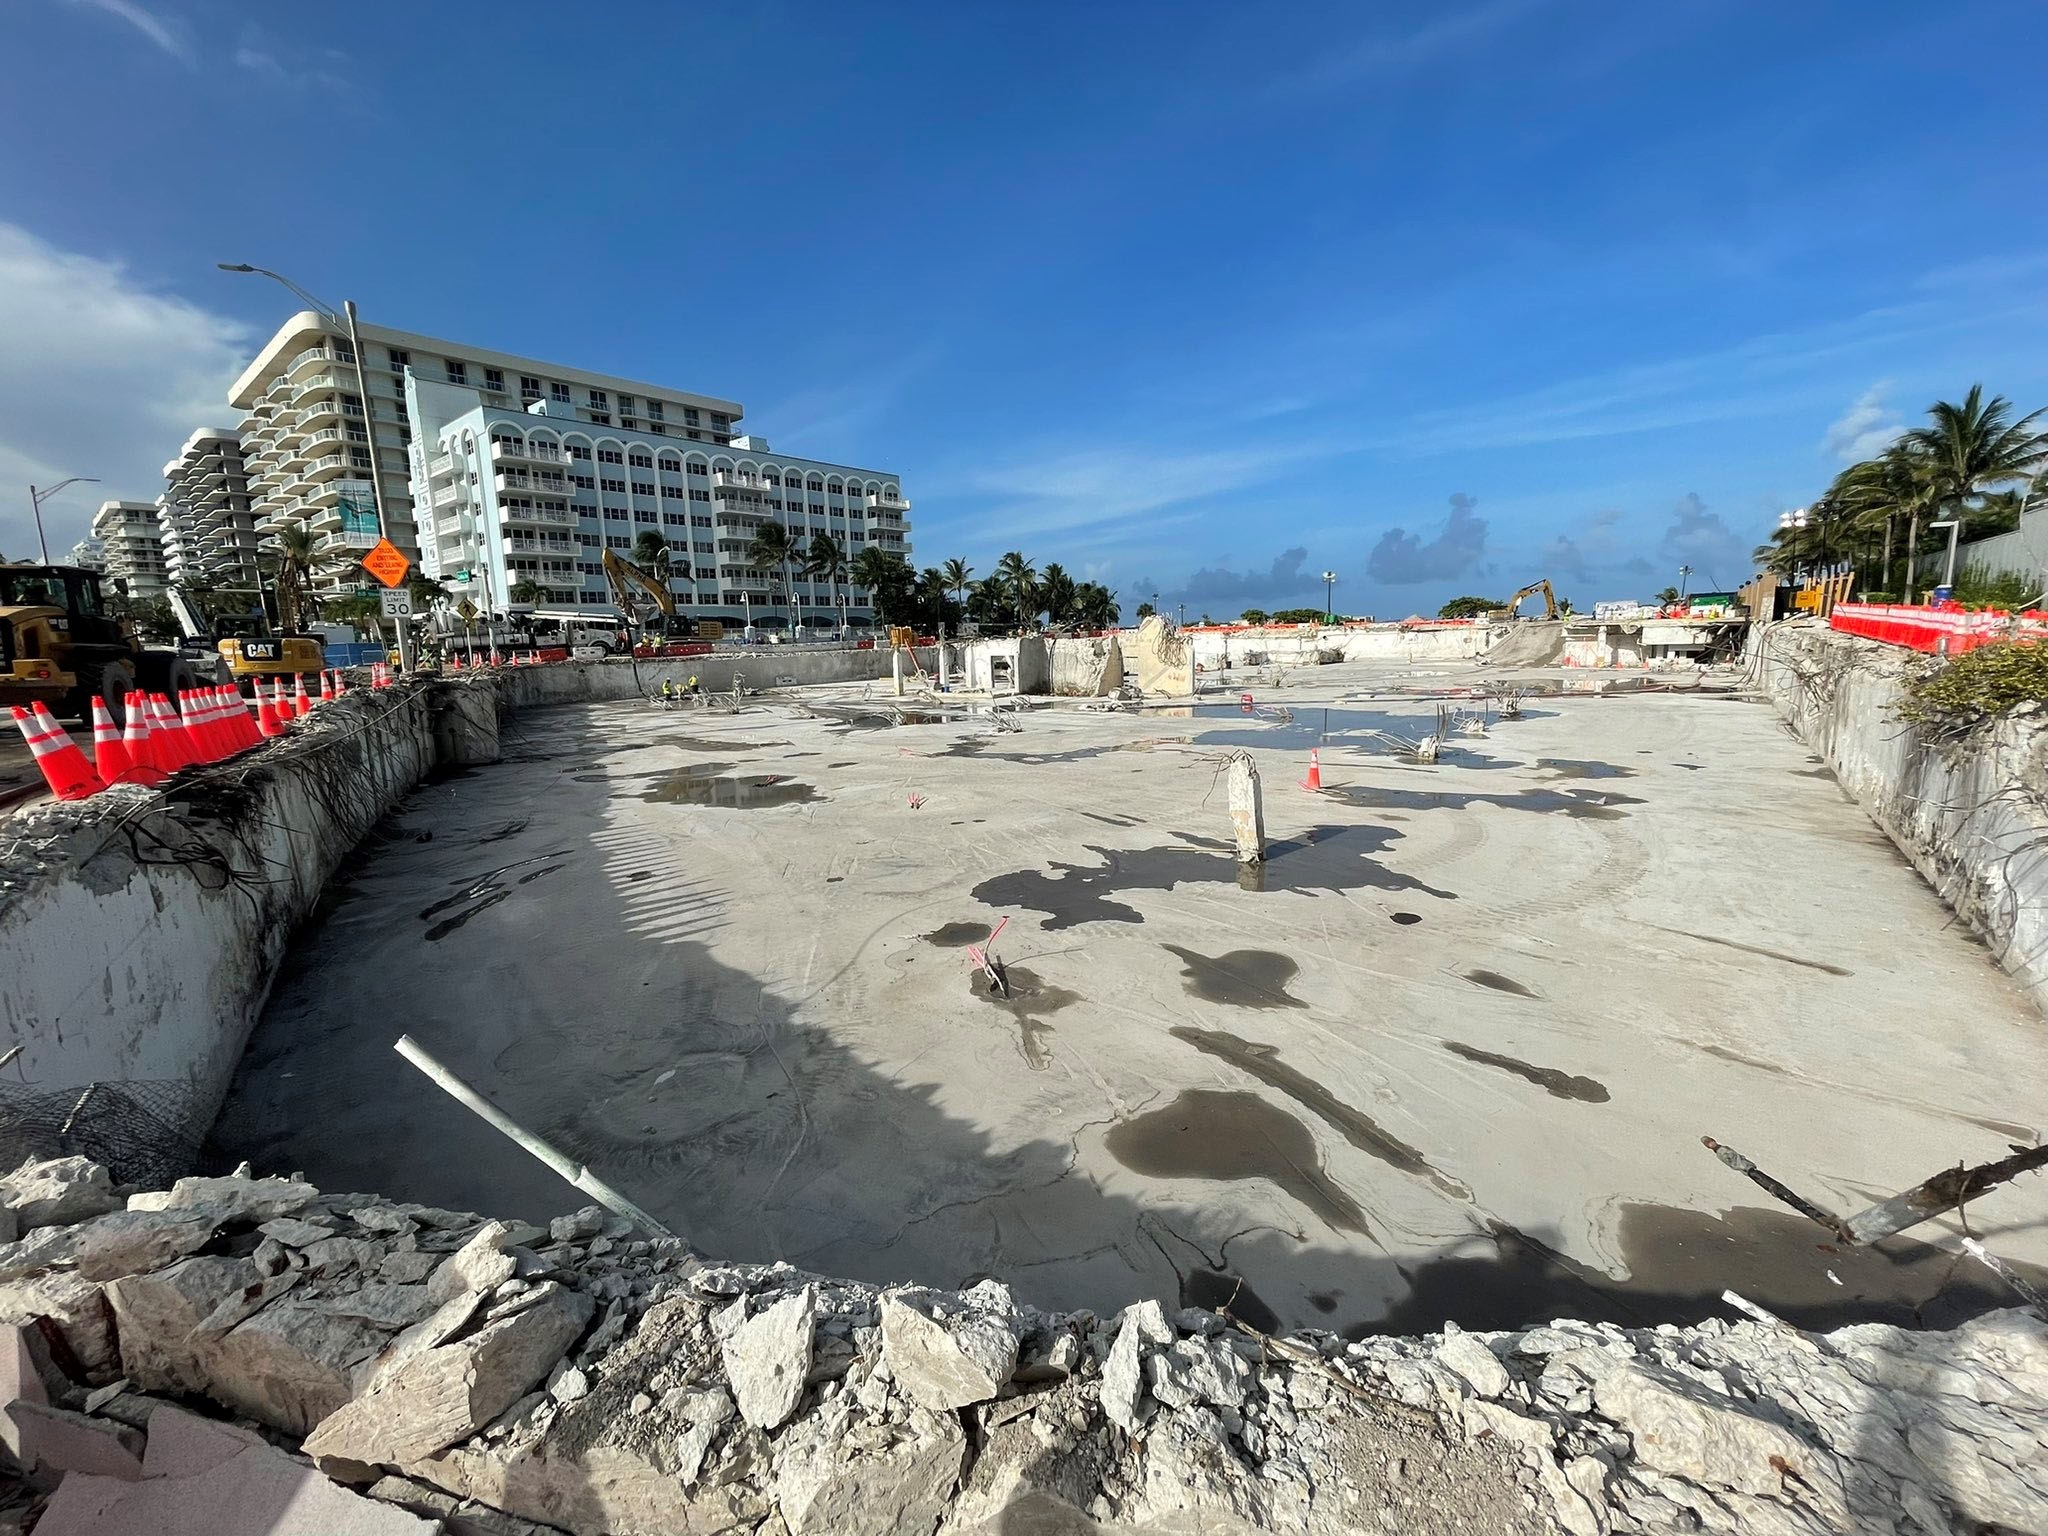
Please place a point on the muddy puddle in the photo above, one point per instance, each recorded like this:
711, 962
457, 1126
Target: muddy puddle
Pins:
1241, 978
1581, 768
712, 744
1027, 998
957, 935
1498, 983
1355, 1126
1265, 725
1206, 1134
1559, 1085
734, 792
1327, 859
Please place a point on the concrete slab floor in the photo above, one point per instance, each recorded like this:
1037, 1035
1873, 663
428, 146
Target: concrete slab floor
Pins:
1451, 1057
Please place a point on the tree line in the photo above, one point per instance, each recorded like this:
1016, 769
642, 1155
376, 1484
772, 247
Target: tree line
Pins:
1974, 462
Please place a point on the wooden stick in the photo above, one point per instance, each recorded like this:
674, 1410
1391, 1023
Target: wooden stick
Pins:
1774, 1189
2008, 1274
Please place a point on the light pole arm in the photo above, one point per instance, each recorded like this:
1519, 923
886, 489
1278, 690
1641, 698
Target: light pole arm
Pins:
325, 312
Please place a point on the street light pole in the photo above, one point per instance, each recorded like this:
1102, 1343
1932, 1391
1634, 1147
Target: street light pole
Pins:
1954, 525
1329, 596
36, 499
1684, 583
347, 317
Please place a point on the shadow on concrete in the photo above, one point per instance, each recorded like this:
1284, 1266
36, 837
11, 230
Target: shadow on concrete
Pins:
576, 991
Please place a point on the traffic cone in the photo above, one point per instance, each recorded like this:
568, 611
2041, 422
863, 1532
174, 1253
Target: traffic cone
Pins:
267, 723
326, 687
180, 751
286, 714
187, 705
1315, 770
64, 767
109, 757
142, 768
203, 720
301, 705
218, 725
245, 720
340, 683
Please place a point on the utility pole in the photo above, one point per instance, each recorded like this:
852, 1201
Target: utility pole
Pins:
1684, 583
1329, 597
36, 499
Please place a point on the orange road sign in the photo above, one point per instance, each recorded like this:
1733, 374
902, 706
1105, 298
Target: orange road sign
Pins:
387, 563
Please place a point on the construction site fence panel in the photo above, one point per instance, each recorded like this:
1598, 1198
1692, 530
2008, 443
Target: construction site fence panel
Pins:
1937, 631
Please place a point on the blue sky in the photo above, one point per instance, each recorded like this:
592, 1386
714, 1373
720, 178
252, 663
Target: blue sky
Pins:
1195, 299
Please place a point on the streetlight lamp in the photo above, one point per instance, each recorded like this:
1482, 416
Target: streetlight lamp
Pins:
1329, 598
1954, 525
1684, 583
348, 318
36, 499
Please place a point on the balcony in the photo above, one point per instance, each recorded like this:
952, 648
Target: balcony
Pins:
883, 502
725, 485
541, 481
530, 544
547, 516
318, 382
448, 496
440, 466
525, 453
326, 354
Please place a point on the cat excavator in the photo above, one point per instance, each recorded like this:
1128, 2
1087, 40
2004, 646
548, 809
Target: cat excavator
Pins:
652, 607
1549, 601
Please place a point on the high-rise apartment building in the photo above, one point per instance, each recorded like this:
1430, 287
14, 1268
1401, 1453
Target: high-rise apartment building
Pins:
90, 553
135, 556
306, 444
206, 526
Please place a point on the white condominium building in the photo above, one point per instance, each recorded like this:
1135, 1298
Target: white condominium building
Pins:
135, 556
311, 417
207, 528
532, 497
90, 553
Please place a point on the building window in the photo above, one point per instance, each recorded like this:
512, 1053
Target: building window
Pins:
697, 495
645, 517
643, 487
720, 421
654, 409
657, 429
697, 467
458, 371
558, 391
585, 482
673, 491
610, 484
700, 522
578, 451
400, 361
641, 460
600, 418
673, 519
626, 404
690, 416
599, 401
609, 456
617, 541
529, 387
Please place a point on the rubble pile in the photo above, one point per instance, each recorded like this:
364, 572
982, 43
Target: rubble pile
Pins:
396, 1368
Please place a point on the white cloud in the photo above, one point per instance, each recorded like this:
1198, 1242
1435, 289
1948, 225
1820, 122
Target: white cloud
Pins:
1452, 33
259, 62
1402, 558
1864, 430
158, 30
99, 376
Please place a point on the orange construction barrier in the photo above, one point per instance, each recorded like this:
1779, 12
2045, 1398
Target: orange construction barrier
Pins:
109, 757
63, 765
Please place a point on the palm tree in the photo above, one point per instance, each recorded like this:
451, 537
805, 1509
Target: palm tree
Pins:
650, 550
1966, 450
772, 549
299, 555
1095, 606
1020, 578
888, 578
1057, 595
957, 574
524, 590
825, 560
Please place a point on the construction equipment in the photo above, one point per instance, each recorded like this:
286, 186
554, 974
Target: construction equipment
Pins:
1549, 601
652, 609
59, 646
248, 645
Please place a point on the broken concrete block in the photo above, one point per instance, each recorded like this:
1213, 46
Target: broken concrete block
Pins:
1123, 1379
1195, 1371
210, 1479
1680, 1427
26, 1376
481, 1264
58, 1191
768, 1357
56, 1439
578, 1226
231, 1198
436, 1397
951, 1365
1247, 810
295, 1233
824, 1485
107, 1247
1472, 1360
158, 1316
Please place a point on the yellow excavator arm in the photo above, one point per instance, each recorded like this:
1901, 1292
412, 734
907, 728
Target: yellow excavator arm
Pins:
625, 576
1549, 598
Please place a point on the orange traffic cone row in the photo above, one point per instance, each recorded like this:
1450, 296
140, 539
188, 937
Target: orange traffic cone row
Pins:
326, 687
340, 684
63, 765
142, 768
109, 757
193, 727
218, 732
1315, 770
267, 723
245, 723
301, 705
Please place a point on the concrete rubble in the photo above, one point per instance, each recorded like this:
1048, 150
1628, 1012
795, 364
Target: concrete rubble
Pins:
398, 1368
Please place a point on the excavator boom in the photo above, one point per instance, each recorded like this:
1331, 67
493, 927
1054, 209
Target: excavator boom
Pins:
624, 577
1549, 599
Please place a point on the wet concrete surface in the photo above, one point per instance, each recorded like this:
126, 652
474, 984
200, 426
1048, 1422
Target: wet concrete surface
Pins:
764, 1026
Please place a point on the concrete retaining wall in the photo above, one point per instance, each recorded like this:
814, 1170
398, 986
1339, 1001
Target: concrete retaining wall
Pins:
140, 930
1970, 812
1294, 646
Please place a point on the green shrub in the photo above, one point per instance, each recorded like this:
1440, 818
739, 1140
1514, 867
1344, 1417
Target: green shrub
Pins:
1978, 685
2010, 590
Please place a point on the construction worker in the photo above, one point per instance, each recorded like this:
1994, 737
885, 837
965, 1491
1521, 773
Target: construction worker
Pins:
668, 693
